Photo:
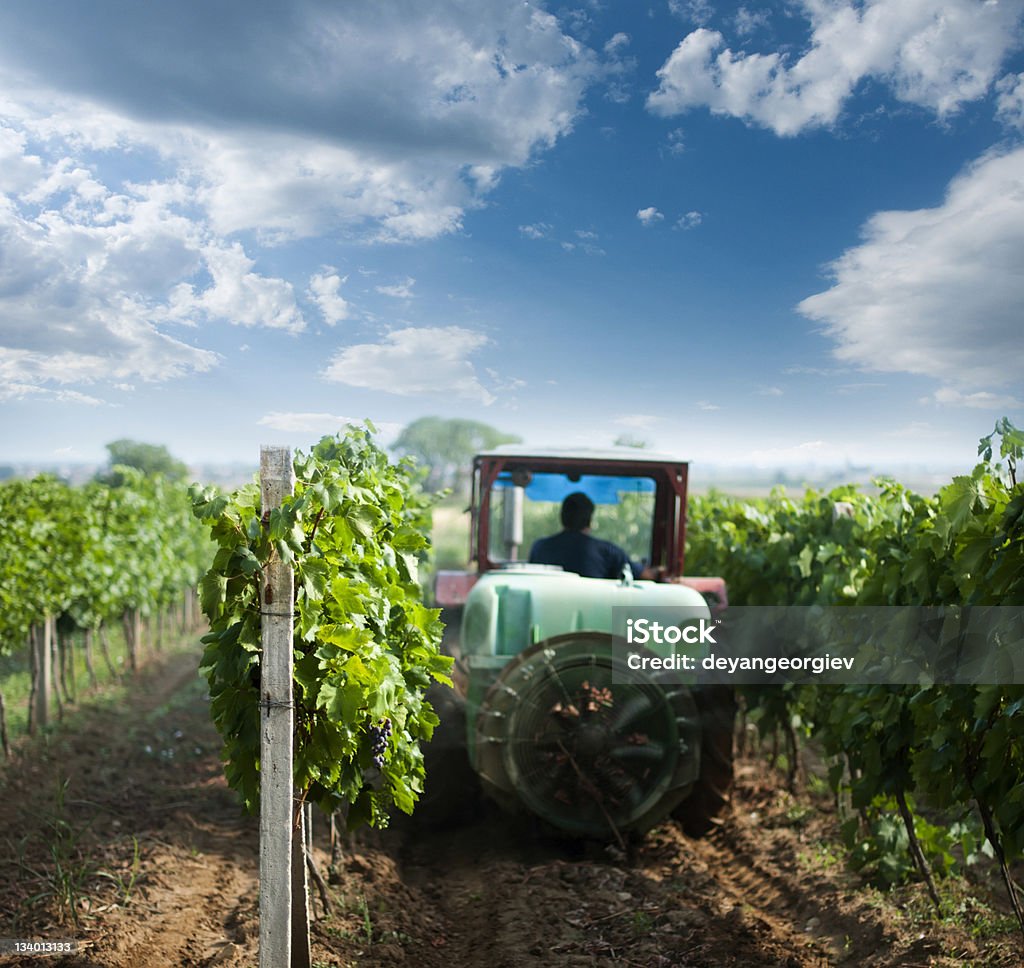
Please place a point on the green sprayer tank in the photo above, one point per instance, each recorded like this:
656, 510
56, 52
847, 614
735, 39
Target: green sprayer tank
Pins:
557, 722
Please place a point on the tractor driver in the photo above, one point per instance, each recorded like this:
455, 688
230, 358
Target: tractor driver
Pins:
576, 549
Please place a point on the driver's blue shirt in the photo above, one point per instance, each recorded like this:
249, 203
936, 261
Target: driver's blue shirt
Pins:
584, 554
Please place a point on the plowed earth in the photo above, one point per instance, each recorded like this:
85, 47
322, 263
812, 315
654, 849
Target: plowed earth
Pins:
121, 834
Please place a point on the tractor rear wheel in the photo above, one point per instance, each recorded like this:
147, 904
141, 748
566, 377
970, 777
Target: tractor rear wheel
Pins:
712, 792
451, 790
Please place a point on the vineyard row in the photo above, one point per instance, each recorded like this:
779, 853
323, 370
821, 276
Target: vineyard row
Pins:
80, 559
954, 752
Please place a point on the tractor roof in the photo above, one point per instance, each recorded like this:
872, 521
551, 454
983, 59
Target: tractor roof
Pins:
632, 455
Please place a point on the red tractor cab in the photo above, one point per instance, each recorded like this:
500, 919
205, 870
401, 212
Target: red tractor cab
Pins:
640, 499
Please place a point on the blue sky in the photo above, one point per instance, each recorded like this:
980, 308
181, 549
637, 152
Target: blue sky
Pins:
780, 234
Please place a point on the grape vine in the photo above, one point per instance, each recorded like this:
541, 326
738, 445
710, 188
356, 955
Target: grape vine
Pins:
366, 648
956, 748
90, 555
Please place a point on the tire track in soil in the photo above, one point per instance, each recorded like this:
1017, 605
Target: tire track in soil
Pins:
508, 899
733, 884
760, 862
464, 874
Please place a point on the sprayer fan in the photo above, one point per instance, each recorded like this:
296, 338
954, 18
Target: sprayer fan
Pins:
588, 744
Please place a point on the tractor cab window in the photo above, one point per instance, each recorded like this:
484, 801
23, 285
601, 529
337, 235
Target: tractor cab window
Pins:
523, 509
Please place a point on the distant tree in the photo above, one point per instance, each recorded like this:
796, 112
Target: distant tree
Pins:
148, 458
446, 448
628, 440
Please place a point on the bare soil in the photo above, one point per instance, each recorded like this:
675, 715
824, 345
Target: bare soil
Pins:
122, 834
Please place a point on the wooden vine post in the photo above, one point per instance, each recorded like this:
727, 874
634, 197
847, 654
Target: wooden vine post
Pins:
284, 933
43, 645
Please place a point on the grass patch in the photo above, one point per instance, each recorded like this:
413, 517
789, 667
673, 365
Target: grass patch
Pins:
450, 537
63, 879
16, 677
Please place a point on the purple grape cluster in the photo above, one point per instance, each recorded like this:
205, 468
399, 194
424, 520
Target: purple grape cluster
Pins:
379, 736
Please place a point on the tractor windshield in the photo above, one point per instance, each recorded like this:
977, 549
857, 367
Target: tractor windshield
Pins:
519, 515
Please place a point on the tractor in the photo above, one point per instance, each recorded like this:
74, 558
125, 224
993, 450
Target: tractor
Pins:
546, 717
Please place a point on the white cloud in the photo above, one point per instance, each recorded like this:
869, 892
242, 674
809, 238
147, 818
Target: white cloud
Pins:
19, 170
649, 216
770, 391
587, 243
707, 405
27, 391
430, 359
239, 295
1010, 104
617, 69
539, 230
322, 423
400, 290
503, 384
980, 400
379, 120
689, 221
696, 11
296, 188
750, 21
325, 291
938, 54
73, 396
619, 92
86, 281
95, 277
617, 43
676, 141
937, 292
312, 423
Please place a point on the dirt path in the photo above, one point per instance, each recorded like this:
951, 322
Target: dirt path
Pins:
102, 827
676, 901
147, 848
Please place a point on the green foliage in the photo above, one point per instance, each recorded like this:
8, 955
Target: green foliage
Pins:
778, 550
150, 459
954, 746
445, 448
881, 852
627, 523
366, 648
39, 545
92, 552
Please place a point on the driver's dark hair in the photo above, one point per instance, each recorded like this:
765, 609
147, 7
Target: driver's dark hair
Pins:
577, 510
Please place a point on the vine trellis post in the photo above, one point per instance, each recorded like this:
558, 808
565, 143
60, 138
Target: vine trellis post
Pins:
284, 918
42, 643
